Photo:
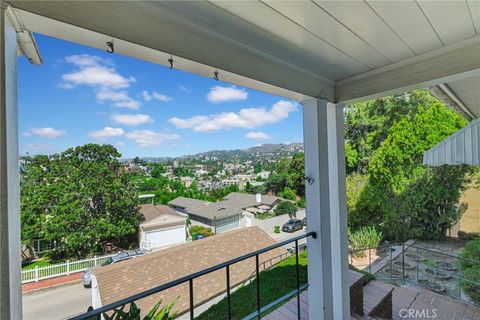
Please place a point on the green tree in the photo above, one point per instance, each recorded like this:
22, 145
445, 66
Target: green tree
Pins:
410, 199
81, 198
286, 207
288, 194
276, 183
157, 170
368, 124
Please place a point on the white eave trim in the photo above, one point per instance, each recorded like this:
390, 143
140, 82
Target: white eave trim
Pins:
462, 147
26, 42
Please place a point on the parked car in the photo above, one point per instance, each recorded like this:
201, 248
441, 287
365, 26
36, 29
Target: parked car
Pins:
304, 221
122, 256
292, 225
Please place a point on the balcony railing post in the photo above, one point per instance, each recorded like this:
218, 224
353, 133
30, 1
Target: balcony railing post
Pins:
370, 260
229, 302
460, 285
257, 274
417, 262
298, 279
190, 286
391, 265
403, 263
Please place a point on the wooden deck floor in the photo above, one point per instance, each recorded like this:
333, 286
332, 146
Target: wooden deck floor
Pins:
424, 303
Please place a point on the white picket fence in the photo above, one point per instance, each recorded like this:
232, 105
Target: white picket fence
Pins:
54, 270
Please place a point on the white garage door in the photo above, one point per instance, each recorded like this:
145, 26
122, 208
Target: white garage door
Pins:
165, 237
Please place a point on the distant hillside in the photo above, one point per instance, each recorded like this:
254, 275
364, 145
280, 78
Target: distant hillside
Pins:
272, 150
268, 150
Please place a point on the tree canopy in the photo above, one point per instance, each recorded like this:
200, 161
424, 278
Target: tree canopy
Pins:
401, 195
80, 198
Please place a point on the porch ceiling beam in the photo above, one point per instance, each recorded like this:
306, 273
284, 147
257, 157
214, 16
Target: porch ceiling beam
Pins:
455, 62
26, 41
157, 36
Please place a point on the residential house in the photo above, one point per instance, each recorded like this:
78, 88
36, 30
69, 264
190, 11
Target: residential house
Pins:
264, 174
161, 227
117, 281
225, 215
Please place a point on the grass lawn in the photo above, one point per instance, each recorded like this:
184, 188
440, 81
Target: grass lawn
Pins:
36, 263
274, 284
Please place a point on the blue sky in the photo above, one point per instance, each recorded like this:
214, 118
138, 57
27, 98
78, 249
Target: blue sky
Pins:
81, 95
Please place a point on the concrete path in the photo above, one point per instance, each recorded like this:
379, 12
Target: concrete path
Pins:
42, 284
268, 224
60, 302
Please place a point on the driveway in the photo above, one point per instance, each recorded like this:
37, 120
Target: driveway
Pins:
268, 224
56, 303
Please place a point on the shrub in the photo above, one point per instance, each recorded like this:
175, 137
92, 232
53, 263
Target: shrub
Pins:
288, 194
133, 313
301, 203
265, 215
286, 207
200, 230
363, 238
471, 270
276, 229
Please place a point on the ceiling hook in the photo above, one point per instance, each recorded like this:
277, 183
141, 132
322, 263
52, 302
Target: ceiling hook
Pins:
110, 48
215, 75
171, 62
309, 180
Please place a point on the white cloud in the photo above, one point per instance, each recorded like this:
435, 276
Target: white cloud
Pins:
246, 118
257, 135
47, 132
39, 148
148, 138
147, 96
99, 73
94, 71
222, 94
132, 119
185, 89
85, 60
161, 97
119, 99
121, 144
106, 133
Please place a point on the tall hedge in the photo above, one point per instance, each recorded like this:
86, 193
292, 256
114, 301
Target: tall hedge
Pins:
471, 270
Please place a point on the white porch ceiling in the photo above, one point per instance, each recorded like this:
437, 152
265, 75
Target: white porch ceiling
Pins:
342, 51
468, 91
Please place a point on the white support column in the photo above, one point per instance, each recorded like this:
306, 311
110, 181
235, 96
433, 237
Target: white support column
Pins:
328, 293
10, 249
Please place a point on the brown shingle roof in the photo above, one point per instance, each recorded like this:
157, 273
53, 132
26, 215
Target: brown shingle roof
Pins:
137, 275
151, 212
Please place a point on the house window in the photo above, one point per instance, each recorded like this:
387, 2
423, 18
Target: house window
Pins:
227, 223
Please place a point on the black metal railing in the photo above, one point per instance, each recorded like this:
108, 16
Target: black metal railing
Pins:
409, 264
97, 313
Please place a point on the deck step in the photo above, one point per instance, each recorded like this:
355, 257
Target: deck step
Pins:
377, 300
356, 282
